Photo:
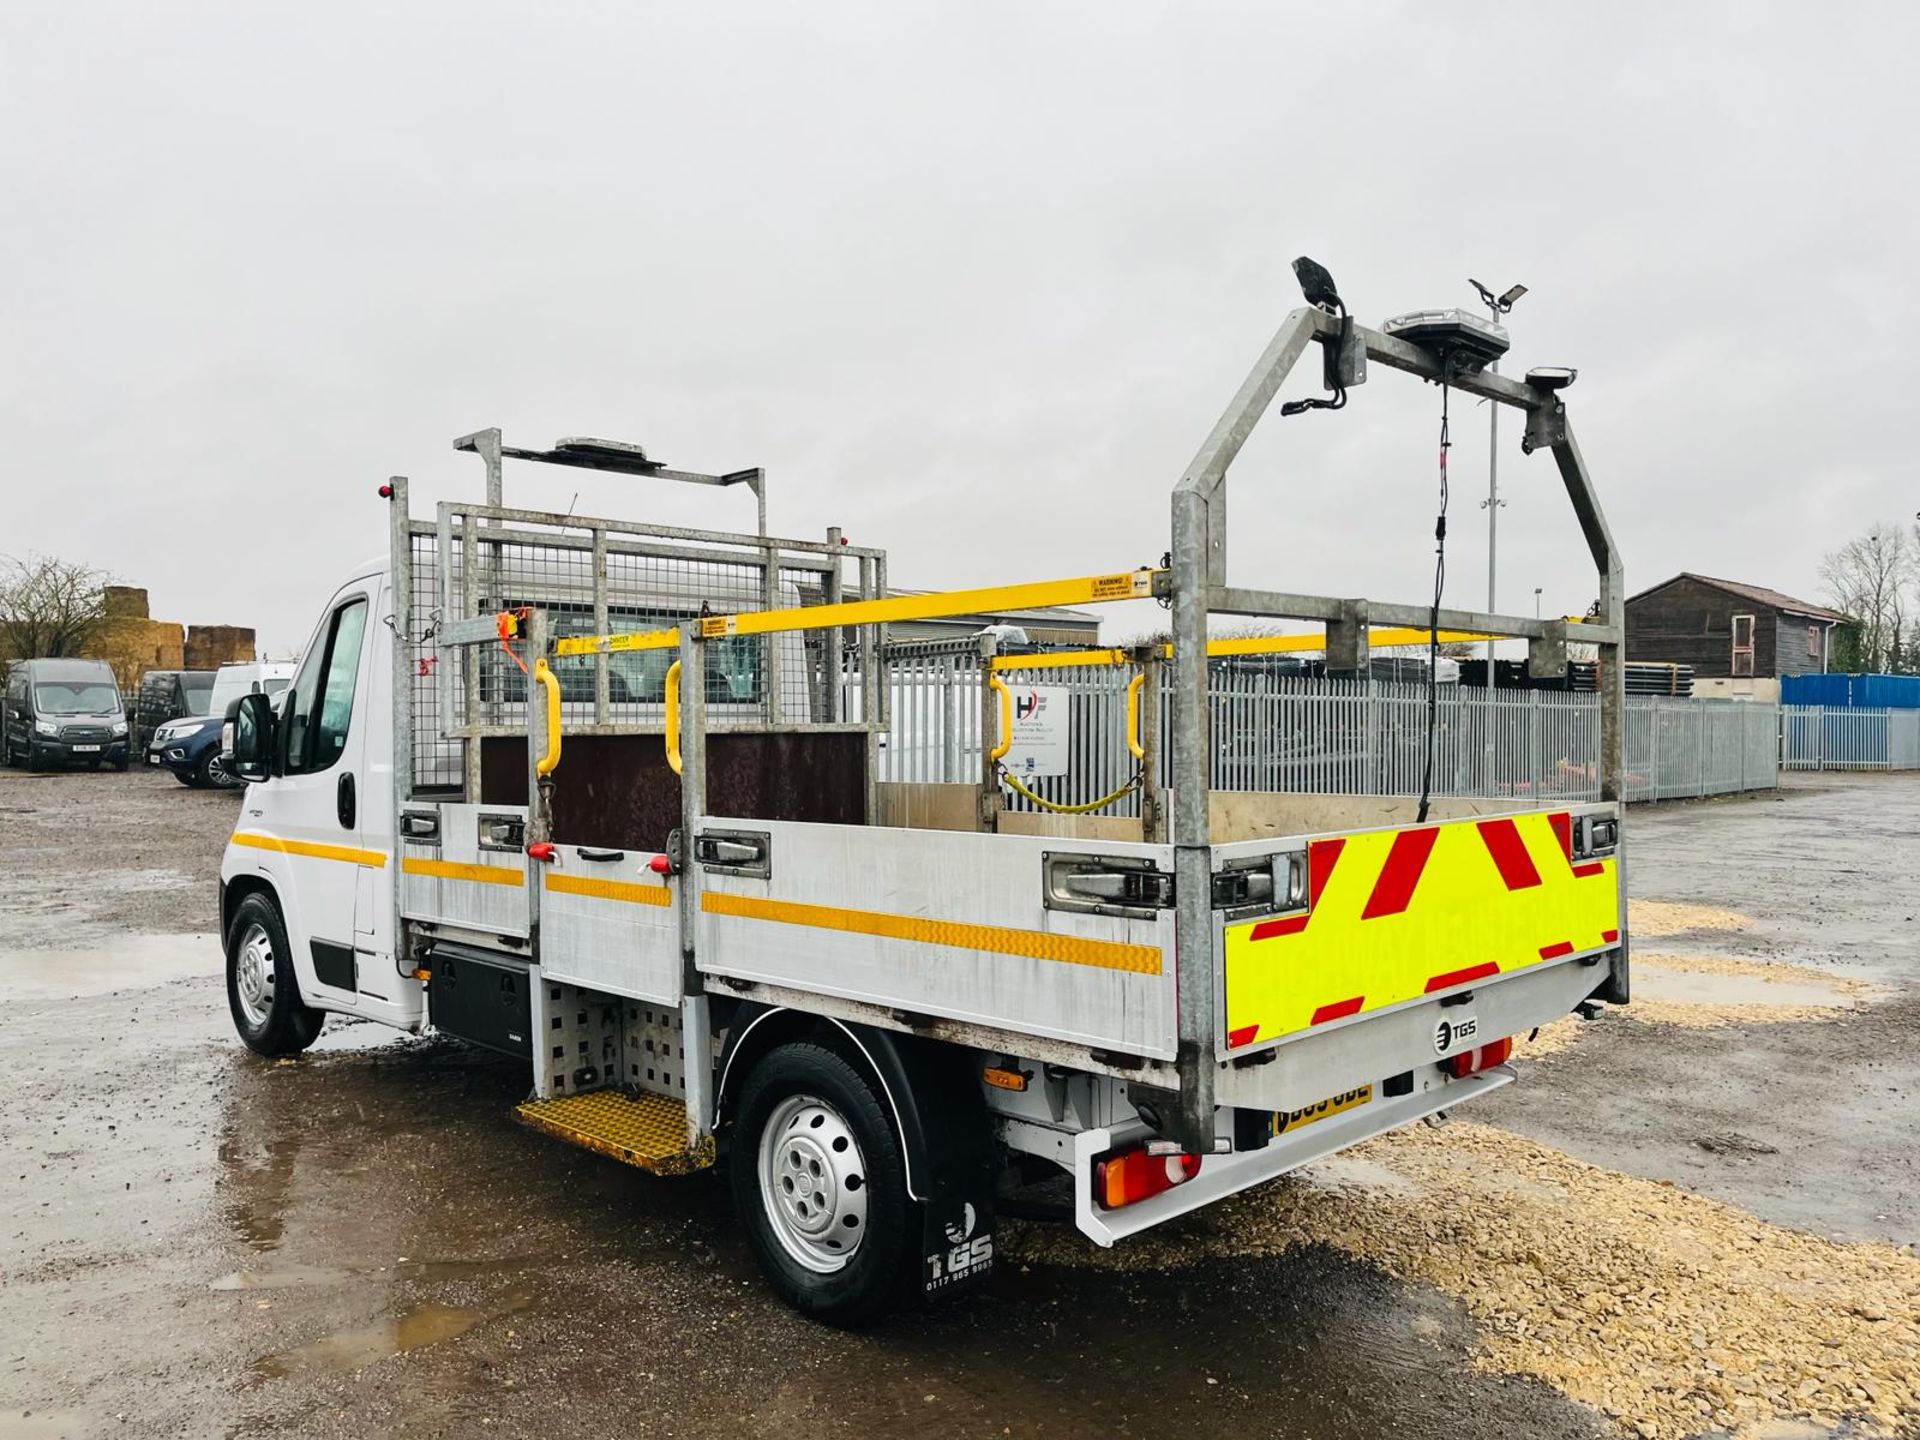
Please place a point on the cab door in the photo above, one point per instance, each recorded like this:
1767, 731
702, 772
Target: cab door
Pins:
315, 806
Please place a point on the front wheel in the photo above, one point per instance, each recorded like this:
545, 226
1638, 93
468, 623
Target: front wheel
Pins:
261, 989
214, 773
819, 1181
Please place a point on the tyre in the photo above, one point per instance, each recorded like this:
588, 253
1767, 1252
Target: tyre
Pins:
213, 772
819, 1182
262, 992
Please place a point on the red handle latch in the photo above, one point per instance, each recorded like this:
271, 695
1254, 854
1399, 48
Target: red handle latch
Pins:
543, 850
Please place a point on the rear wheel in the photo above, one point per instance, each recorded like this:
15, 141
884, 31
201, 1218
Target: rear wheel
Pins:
262, 992
819, 1181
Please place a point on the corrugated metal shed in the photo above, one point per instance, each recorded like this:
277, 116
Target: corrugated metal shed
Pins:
1855, 692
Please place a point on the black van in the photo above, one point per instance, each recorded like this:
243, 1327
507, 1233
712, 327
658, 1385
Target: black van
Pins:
63, 712
168, 695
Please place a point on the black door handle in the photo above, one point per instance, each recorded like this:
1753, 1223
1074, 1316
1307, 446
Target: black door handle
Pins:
343, 800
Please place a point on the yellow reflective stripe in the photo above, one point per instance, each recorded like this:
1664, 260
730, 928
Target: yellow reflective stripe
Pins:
595, 889
1034, 944
347, 854
453, 870
1082, 590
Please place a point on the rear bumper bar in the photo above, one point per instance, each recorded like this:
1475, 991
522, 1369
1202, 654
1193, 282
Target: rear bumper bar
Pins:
1224, 1175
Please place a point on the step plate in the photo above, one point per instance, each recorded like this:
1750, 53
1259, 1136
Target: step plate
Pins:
649, 1131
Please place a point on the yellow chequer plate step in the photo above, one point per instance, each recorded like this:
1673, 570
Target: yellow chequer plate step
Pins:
645, 1130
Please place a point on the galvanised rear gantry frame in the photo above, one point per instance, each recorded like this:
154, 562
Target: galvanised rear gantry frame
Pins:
1200, 589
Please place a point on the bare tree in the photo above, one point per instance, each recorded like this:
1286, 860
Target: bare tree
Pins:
1869, 578
49, 607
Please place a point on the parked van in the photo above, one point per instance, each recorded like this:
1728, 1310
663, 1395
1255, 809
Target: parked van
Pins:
169, 695
190, 747
63, 712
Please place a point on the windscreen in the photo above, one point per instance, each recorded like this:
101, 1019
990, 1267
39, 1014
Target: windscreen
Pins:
76, 697
230, 685
198, 690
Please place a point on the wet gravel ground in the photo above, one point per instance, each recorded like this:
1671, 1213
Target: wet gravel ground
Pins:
196, 1242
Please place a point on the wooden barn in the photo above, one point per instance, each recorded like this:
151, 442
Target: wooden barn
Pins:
1729, 631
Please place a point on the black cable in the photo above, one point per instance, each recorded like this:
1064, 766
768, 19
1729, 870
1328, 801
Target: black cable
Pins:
1339, 400
1433, 614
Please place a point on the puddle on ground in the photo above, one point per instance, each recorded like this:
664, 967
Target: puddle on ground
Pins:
132, 962
289, 1277
347, 1350
1652, 981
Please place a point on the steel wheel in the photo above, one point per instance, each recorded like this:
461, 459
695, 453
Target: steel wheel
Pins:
254, 975
813, 1183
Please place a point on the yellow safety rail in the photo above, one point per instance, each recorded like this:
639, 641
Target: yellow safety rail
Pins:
1133, 716
1085, 590
1005, 744
548, 681
1383, 638
673, 716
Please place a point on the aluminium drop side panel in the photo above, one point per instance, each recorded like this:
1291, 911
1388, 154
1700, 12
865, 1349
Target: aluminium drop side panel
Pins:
457, 879
944, 924
609, 924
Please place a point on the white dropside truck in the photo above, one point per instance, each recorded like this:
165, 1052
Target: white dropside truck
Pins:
602, 795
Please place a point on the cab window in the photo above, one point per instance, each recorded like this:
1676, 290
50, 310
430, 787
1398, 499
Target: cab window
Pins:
321, 708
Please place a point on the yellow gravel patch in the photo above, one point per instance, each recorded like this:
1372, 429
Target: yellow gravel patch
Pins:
1673, 1312
1647, 918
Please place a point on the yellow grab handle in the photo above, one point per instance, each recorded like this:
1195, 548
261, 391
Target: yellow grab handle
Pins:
1133, 716
547, 680
1000, 750
673, 716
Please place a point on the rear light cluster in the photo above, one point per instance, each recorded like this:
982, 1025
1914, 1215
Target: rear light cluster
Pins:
1127, 1176
1472, 1062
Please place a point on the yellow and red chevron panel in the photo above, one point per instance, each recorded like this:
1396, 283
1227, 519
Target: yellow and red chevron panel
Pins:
1396, 914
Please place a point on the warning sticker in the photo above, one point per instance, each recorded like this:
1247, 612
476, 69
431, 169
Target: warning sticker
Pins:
712, 626
1134, 585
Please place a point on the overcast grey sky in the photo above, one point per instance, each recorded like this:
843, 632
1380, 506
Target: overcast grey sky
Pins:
972, 281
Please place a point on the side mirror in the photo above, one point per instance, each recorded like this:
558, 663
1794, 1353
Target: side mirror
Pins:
248, 736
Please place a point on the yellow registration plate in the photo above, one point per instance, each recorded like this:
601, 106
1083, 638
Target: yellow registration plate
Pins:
1285, 1120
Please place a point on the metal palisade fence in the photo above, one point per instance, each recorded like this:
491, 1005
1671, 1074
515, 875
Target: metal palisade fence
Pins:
1824, 737
1302, 734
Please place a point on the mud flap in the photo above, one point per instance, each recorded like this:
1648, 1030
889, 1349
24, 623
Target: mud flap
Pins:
953, 1142
956, 1243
